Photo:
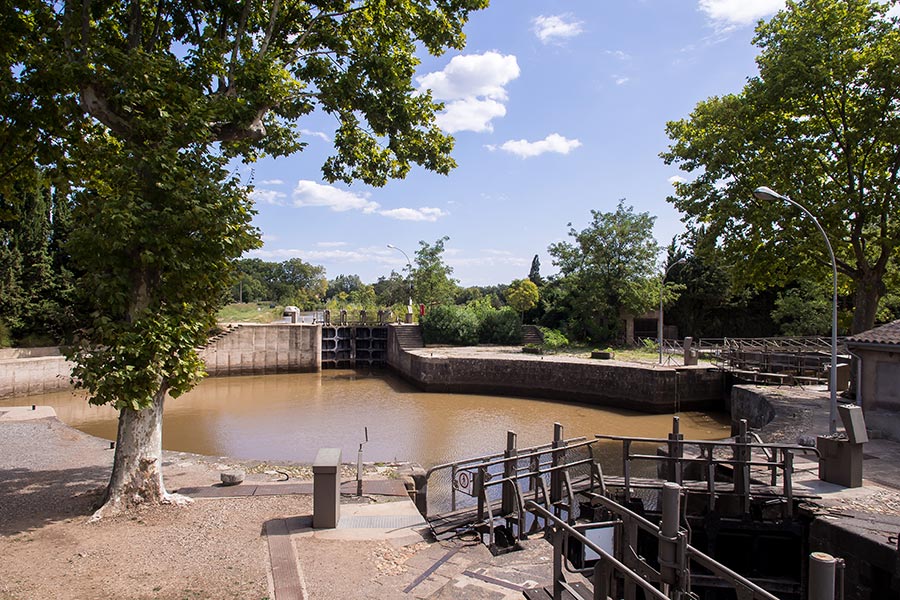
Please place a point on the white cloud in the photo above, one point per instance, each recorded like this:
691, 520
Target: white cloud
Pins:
318, 134
552, 143
425, 213
470, 114
310, 193
469, 75
268, 197
736, 13
676, 179
474, 88
555, 28
621, 80
619, 54
272, 182
331, 244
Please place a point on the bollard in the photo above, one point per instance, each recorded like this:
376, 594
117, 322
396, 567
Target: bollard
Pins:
327, 488
668, 534
509, 471
822, 569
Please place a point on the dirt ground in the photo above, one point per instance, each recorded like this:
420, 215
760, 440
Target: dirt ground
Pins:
51, 477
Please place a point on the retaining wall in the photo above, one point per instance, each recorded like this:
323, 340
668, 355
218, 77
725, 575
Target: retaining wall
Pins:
264, 349
30, 371
635, 387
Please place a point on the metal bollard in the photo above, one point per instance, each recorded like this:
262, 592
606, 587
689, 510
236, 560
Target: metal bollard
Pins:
668, 531
822, 569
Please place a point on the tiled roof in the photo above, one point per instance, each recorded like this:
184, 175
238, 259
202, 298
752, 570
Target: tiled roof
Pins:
888, 335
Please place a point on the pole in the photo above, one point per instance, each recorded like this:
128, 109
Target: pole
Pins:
765, 193
660, 324
409, 277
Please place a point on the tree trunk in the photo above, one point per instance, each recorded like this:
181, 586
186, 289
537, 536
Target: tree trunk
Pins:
865, 303
137, 467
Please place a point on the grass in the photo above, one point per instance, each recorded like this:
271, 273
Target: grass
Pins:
249, 312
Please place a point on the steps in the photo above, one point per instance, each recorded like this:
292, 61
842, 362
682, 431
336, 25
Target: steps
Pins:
531, 334
227, 329
409, 336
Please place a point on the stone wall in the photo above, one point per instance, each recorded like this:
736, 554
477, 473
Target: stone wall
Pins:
630, 386
264, 349
30, 371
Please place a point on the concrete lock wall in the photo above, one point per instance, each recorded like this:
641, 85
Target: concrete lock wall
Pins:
264, 349
620, 385
30, 371
246, 350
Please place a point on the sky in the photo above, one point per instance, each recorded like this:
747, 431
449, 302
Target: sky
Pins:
557, 107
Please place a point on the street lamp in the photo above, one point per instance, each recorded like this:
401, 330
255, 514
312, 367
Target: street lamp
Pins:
766, 194
660, 324
409, 309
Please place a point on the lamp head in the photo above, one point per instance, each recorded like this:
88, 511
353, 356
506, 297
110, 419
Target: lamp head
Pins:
393, 247
767, 194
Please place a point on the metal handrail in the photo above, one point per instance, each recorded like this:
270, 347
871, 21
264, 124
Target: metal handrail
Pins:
706, 561
549, 517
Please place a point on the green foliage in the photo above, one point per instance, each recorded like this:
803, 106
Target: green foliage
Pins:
534, 274
503, 327
803, 310
392, 290
450, 324
35, 281
157, 251
431, 279
553, 338
605, 273
477, 322
5, 337
819, 124
522, 295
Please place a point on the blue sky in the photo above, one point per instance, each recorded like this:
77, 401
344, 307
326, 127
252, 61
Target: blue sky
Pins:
557, 108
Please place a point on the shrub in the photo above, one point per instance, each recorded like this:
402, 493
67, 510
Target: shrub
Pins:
553, 338
5, 337
500, 327
449, 324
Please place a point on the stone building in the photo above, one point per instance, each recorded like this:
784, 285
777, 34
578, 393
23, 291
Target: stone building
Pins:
879, 374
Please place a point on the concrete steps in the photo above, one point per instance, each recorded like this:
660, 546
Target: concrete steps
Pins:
531, 334
409, 336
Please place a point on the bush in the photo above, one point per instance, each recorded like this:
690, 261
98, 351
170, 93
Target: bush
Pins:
5, 337
500, 327
553, 338
450, 324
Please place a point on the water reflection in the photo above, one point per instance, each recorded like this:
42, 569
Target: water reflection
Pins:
289, 417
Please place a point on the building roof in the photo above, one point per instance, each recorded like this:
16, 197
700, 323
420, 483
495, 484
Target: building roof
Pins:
886, 335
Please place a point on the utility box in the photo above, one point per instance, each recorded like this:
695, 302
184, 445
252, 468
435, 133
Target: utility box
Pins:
842, 376
327, 488
840, 461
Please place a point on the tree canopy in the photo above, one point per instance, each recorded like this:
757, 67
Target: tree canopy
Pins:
606, 271
158, 99
821, 124
431, 276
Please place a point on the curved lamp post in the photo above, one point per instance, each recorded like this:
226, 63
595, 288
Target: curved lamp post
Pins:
660, 324
768, 195
409, 265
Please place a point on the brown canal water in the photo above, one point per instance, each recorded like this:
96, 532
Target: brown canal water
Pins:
289, 417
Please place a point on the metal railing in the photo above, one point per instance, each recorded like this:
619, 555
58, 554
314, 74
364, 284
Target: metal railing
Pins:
621, 577
454, 482
776, 461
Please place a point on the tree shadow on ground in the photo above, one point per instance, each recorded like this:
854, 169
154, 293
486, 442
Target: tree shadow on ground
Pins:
31, 499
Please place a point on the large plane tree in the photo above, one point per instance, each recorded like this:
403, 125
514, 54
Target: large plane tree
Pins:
171, 94
821, 124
